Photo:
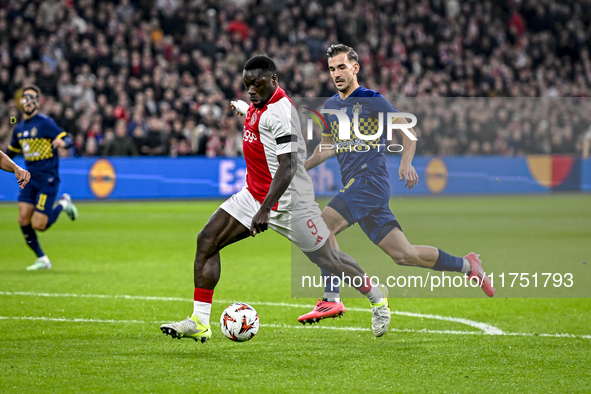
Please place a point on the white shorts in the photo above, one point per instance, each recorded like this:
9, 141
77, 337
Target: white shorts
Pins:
304, 227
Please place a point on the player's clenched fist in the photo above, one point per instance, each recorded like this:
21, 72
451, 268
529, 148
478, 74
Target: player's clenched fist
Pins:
260, 221
408, 171
22, 176
240, 107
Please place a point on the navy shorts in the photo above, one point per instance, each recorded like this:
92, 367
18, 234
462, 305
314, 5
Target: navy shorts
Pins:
41, 193
365, 200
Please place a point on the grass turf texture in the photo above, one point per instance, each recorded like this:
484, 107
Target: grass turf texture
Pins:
147, 249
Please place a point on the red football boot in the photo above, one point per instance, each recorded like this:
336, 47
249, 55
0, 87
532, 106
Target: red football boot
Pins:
322, 310
478, 273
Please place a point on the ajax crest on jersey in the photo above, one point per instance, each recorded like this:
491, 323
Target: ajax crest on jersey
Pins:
239, 322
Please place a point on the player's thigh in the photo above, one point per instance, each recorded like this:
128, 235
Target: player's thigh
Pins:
25, 212
379, 223
46, 197
27, 199
304, 227
43, 207
221, 230
231, 222
356, 201
334, 220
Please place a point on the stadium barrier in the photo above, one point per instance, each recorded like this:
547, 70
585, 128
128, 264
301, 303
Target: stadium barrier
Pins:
179, 178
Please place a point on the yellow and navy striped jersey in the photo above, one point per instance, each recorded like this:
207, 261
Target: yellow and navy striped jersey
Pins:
33, 138
355, 155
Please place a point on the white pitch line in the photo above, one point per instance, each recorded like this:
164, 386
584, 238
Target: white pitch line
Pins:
285, 326
486, 328
76, 320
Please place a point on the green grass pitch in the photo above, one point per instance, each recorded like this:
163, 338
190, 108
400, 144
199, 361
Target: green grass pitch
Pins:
91, 324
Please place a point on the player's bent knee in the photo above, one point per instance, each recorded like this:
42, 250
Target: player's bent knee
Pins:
39, 222
39, 226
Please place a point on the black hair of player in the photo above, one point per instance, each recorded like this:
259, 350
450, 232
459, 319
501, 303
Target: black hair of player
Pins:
261, 62
33, 87
337, 49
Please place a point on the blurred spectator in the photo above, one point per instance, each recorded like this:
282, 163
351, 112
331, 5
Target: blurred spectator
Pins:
153, 144
172, 66
121, 144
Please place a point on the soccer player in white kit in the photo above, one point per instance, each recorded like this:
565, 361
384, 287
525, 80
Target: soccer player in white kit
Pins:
278, 194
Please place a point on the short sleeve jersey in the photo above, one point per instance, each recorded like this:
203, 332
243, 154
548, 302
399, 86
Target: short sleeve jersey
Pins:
269, 132
33, 138
367, 104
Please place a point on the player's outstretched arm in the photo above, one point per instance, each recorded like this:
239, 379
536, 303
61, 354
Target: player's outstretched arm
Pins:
280, 183
240, 107
406, 169
323, 151
22, 176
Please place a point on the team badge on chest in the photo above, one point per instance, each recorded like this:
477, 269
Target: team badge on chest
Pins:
357, 109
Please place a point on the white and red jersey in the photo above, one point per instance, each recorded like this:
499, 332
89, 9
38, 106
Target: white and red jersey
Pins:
269, 132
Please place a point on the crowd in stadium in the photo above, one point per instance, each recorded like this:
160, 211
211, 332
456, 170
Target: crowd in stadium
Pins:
155, 77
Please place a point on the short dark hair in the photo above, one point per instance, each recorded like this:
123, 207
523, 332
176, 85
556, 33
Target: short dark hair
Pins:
260, 62
33, 87
337, 49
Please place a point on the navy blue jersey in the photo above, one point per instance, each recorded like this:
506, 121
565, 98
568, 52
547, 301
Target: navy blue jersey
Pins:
33, 138
367, 104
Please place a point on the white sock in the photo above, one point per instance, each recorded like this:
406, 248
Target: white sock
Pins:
375, 296
202, 310
63, 203
331, 296
467, 267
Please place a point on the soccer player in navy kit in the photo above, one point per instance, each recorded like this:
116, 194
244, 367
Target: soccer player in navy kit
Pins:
37, 137
365, 196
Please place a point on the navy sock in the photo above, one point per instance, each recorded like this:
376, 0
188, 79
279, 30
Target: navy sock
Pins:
53, 215
447, 262
31, 239
331, 282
